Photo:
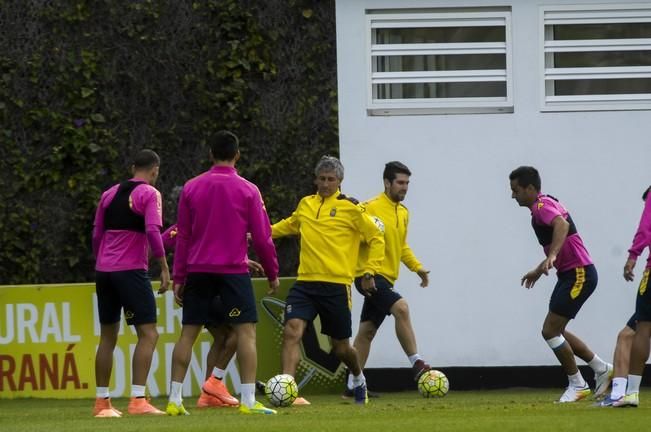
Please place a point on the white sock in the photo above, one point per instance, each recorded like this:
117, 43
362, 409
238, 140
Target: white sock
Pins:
176, 393
248, 394
634, 382
102, 392
359, 380
576, 380
137, 391
598, 366
349, 384
414, 358
218, 373
619, 388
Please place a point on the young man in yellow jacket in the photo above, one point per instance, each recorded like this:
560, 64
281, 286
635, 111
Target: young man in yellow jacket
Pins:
330, 228
383, 300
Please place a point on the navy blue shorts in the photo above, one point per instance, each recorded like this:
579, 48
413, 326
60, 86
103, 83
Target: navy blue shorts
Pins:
218, 313
378, 306
331, 301
129, 289
632, 322
572, 290
643, 300
235, 293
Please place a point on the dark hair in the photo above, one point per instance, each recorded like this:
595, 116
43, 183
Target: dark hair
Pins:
146, 159
224, 145
646, 193
392, 168
526, 175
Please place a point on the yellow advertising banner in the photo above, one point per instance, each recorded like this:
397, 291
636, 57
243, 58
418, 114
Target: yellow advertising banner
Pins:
49, 335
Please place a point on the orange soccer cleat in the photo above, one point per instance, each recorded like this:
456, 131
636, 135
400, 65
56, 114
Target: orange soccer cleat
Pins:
141, 406
103, 408
215, 387
209, 401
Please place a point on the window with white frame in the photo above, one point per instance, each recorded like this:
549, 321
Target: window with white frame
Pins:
596, 57
439, 61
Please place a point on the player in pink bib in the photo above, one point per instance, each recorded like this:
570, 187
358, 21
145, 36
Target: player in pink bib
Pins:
577, 279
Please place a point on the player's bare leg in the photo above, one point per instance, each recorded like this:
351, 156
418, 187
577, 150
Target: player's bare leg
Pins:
363, 340
222, 349
290, 355
103, 367
142, 355
621, 361
404, 329
348, 355
579, 348
104, 357
180, 360
552, 332
603, 371
214, 392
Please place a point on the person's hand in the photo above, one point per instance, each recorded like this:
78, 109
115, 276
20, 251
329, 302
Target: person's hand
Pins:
628, 269
529, 279
255, 268
273, 286
178, 293
547, 264
368, 286
164, 280
424, 277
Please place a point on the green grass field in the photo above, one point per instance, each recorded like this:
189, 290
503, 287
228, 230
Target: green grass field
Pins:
503, 410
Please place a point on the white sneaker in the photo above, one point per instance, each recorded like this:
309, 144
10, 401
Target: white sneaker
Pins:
602, 381
630, 400
573, 394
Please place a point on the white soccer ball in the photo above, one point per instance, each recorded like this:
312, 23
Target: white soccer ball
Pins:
281, 390
433, 383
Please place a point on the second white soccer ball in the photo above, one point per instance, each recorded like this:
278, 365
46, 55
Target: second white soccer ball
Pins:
281, 390
433, 383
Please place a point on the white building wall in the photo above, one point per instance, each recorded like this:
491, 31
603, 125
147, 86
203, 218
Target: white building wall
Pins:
466, 228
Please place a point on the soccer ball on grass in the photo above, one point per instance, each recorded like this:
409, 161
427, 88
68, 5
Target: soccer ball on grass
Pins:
433, 383
281, 390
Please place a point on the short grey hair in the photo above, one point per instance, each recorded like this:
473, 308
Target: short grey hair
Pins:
330, 163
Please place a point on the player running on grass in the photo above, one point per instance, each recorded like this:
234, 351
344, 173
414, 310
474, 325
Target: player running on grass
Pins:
216, 211
621, 360
382, 300
330, 227
577, 279
127, 224
640, 348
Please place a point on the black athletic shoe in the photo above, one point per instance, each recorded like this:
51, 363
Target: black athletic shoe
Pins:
419, 368
349, 393
260, 388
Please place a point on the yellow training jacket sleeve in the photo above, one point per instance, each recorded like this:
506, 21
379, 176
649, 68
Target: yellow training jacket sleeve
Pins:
286, 227
374, 238
406, 254
409, 259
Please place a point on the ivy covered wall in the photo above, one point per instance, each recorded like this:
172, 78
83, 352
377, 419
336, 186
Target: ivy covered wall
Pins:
84, 85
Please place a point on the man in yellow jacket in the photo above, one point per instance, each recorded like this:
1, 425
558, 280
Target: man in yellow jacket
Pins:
382, 300
330, 227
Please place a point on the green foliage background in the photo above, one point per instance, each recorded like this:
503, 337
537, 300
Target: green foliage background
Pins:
86, 84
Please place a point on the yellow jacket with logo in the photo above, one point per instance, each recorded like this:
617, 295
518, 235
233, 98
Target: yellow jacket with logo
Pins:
395, 218
330, 230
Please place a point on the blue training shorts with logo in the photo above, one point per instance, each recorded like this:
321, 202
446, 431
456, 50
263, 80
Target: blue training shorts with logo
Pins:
378, 306
572, 290
129, 290
643, 300
331, 301
234, 290
632, 323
